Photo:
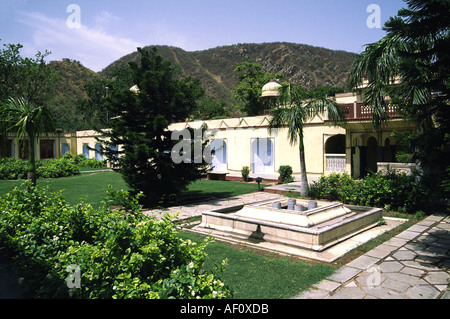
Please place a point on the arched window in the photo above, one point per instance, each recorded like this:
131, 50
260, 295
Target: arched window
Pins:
335, 144
335, 154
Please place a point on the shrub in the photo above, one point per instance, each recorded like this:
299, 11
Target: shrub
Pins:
393, 191
121, 254
56, 168
11, 168
245, 173
336, 186
92, 163
285, 174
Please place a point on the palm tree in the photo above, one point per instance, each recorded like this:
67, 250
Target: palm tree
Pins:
297, 107
410, 67
20, 117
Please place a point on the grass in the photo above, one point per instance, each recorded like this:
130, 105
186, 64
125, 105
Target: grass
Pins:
218, 189
255, 274
91, 187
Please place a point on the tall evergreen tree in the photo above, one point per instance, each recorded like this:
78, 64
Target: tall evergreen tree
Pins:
139, 124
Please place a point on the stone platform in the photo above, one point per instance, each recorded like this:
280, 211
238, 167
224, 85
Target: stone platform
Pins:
323, 233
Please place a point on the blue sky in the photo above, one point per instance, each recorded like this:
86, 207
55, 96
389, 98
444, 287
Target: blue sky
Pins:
110, 29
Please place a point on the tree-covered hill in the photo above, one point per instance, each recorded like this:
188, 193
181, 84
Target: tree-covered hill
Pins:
300, 64
69, 89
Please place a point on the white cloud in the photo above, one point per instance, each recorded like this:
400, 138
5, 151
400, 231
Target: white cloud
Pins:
92, 46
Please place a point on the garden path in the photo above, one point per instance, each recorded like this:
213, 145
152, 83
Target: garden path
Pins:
415, 264
196, 209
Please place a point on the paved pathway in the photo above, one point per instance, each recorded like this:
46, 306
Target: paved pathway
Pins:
192, 210
415, 264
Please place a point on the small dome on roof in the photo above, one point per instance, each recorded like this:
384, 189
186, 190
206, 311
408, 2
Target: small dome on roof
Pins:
271, 89
134, 89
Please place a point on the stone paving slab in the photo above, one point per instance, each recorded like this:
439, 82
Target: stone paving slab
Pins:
415, 264
196, 209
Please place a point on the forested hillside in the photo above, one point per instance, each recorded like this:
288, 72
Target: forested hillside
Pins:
300, 64
69, 89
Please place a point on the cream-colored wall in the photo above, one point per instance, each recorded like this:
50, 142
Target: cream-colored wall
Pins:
239, 142
59, 139
87, 137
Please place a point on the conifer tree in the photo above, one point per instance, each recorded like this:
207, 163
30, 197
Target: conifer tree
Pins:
139, 121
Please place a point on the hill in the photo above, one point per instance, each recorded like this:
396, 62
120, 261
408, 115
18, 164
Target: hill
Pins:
300, 64
68, 90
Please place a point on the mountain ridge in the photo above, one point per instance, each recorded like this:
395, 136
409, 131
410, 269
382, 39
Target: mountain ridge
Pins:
300, 64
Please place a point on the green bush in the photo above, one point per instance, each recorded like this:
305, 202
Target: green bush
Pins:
335, 186
92, 163
285, 174
56, 168
392, 191
11, 168
81, 160
245, 171
120, 253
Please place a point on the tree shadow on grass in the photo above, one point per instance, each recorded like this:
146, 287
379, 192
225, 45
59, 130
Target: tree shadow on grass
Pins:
193, 197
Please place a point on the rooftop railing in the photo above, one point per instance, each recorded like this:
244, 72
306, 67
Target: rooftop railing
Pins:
359, 111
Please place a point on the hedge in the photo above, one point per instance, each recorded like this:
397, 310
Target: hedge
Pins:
11, 168
391, 191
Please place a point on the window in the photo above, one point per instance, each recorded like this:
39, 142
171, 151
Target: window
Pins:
98, 152
65, 148
86, 150
47, 148
6, 149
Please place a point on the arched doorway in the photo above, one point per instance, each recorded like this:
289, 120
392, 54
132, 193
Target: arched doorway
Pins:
219, 155
262, 156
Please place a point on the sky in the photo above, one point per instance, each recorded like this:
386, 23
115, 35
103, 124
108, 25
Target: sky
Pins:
98, 32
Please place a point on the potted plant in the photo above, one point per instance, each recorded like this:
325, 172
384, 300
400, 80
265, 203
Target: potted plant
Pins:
245, 172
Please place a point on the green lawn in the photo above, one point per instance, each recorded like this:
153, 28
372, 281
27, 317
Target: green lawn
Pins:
91, 187
258, 275
87, 187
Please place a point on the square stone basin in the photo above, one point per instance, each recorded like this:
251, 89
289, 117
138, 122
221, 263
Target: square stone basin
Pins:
316, 228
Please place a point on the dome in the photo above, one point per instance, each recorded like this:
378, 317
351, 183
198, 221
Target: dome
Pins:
270, 89
135, 89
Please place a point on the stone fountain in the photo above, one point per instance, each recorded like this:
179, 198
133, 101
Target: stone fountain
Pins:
299, 224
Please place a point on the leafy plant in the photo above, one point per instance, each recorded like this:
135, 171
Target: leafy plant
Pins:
121, 253
245, 171
11, 168
393, 191
285, 174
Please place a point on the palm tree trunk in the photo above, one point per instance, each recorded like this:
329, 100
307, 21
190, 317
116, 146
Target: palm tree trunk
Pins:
303, 176
32, 159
